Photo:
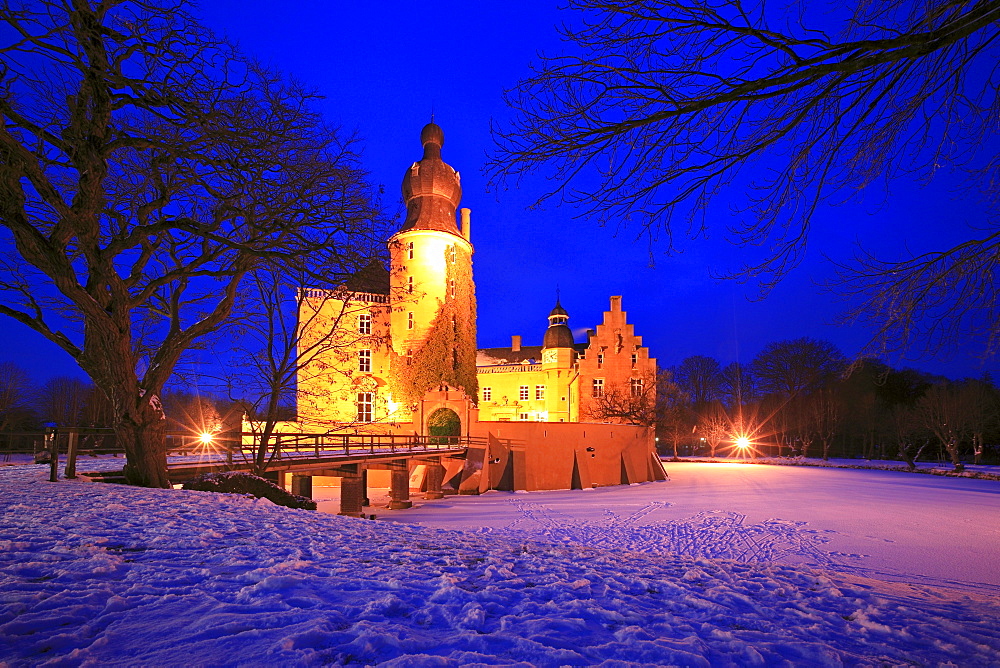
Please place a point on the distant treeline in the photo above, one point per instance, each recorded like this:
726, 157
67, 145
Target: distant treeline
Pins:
804, 397
26, 406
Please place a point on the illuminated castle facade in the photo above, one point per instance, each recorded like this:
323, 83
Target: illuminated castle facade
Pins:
413, 329
403, 355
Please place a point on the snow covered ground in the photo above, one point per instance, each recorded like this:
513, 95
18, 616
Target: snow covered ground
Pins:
95, 574
884, 524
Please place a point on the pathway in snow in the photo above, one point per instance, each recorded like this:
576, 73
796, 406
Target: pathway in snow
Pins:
883, 524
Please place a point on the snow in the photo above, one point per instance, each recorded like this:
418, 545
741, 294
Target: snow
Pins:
725, 565
884, 524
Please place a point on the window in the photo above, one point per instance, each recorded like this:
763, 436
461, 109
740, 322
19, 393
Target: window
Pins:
524, 393
366, 401
409, 357
539, 391
487, 393
451, 253
636, 387
600, 361
598, 387
409, 320
409, 251
451, 288
409, 284
635, 360
522, 416
364, 324
365, 361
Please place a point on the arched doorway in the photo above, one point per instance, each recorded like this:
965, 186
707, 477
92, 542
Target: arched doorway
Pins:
444, 425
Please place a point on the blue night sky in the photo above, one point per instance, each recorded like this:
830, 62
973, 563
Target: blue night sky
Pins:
384, 66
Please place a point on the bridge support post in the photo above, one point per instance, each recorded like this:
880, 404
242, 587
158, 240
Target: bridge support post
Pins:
302, 485
351, 494
434, 478
399, 486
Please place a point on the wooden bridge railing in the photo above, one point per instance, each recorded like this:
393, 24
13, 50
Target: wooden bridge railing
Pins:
299, 445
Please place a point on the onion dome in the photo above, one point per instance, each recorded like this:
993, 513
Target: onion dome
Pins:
431, 188
558, 335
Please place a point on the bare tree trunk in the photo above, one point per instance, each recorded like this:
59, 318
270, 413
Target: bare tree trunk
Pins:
144, 440
951, 445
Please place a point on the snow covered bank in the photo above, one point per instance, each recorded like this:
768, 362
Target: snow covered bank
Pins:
103, 574
979, 471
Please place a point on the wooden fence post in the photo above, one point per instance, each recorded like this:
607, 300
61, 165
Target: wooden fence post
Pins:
73, 436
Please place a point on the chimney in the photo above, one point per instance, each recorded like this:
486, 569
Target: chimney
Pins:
515, 343
467, 224
616, 303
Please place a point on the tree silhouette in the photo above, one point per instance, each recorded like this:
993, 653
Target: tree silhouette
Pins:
659, 108
145, 168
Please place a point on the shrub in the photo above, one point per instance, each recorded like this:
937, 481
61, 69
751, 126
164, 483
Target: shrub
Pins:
239, 482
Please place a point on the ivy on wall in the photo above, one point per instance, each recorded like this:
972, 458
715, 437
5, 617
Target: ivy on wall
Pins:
448, 354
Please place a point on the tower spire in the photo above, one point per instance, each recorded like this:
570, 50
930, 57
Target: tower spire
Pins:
431, 188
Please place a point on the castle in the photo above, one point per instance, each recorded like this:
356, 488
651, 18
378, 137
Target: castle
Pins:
394, 351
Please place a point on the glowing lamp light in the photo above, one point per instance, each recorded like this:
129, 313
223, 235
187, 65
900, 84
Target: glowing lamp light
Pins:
742, 442
206, 438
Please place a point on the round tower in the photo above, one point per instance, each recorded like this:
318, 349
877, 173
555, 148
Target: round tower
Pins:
558, 357
433, 317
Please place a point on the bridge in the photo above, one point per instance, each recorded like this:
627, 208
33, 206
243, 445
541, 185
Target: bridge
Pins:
297, 457
349, 457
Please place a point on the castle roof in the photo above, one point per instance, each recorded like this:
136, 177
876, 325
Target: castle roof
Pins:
526, 355
431, 188
558, 336
373, 278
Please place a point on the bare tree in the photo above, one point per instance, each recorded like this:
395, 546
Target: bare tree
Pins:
631, 402
63, 399
15, 395
981, 400
659, 108
801, 366
145, 168
675, 418
716, 425
738, 385
945, 413
700, 377
290, 336
824, 413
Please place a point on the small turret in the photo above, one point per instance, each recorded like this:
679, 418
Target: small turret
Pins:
558, 335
